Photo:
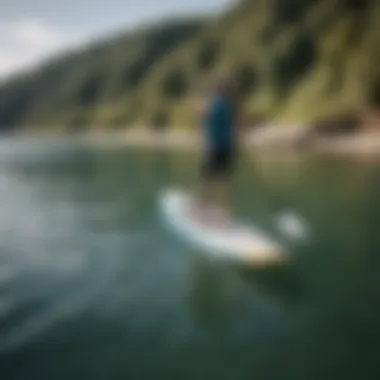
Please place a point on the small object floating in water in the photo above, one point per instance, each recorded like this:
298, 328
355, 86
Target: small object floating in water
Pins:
292, 225
234, 241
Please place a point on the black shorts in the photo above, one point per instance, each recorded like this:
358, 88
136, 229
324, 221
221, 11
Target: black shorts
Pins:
218, 163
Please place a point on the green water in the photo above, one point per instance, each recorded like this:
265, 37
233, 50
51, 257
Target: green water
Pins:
93, 286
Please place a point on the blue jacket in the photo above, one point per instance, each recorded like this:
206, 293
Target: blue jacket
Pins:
220, 123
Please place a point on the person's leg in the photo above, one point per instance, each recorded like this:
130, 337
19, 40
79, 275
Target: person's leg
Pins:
205, 188
225, 198
214, 187
224, 184
202, 192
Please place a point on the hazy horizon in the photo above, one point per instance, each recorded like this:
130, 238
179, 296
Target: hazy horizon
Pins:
32, 31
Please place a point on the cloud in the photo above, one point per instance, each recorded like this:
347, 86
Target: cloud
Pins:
24, 43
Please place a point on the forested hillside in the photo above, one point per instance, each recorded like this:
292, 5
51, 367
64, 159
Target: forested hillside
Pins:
293, 61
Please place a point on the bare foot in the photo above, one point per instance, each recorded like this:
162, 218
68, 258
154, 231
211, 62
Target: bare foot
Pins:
221, 217
196, 212
209, 216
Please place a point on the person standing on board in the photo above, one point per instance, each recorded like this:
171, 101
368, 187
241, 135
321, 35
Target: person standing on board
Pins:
220, 120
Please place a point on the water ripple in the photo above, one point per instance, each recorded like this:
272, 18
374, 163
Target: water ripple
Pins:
86, 271
76, 296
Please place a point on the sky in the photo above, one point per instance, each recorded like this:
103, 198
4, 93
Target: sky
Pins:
33, 30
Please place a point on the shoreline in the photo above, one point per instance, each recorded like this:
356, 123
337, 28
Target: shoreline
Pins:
291, 139
267, 138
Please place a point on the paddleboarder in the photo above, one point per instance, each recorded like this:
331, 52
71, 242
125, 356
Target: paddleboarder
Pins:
220, 122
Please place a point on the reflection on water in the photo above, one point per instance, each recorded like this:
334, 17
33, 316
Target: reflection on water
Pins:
93, 286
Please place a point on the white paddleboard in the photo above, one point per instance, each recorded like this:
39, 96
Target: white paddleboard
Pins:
236, 241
